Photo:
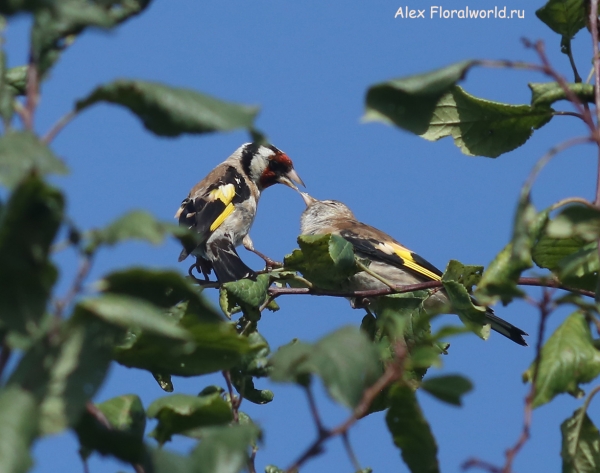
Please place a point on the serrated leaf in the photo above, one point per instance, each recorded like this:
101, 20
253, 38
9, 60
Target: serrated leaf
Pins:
479, 127
170, 111
467, 275
123, 437
473, 316
325, 260
565, 17
134, 225
246, 294
544, 94
345, 360
568, 359
411, 432
178, 413
448, 388
28, 225
580, 444
253, 365
22, 153
18, 428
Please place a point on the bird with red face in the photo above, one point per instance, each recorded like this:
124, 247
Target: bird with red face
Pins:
222, 206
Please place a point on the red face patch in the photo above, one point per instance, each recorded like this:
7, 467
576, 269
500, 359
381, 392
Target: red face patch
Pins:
279, 165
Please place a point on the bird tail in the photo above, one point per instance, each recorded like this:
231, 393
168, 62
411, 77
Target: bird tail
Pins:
505, 328
227, 264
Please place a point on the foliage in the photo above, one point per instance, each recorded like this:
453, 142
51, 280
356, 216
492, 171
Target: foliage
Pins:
159, 321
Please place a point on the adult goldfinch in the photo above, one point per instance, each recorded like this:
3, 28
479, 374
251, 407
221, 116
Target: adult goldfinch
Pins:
222, 207
388, 259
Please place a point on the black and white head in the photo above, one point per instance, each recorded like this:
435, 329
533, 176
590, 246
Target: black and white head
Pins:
267, 165
321, 214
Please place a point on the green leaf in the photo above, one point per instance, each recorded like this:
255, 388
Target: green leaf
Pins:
411, 432
21, 154
246, 294
134, 225
28, 225
254, 364
454, 280
572, 260
178, 413
325, 260
467, 275
16, 78
123, 437
18, 429
499, 281
57, 23
218, 347
448, 388
565, 17
544, 94
568, 358
129, 312
170, 111
225, 449
410, 102
576, 221
63, 372
479, 127
162, 288
580, 444
345, 360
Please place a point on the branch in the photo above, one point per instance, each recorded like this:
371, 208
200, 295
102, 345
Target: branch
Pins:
289, 291
58, 126
392, 373
546, 307
235, 400
76, 287
538, 46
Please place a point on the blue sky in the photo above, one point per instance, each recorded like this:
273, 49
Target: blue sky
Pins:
308, 65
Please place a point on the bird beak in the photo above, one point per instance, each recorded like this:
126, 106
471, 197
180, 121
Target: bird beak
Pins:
308, 200
290, 178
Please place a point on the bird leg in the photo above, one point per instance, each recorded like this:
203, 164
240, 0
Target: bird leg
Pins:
271, 264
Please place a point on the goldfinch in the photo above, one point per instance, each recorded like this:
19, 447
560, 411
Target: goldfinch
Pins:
388, 259
222, 207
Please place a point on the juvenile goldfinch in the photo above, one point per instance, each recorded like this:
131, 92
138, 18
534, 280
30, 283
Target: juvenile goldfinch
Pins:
388, 259
222, 207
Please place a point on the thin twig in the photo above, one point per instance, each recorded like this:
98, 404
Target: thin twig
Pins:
477, 463
545, 159
546, 306
251, 460
235, 400
569, 114
392, 373
350, 452
577, 77
58, 126
5, 353
525, 281
32, 93
538, 46
314, 411
84, 269
572, 200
